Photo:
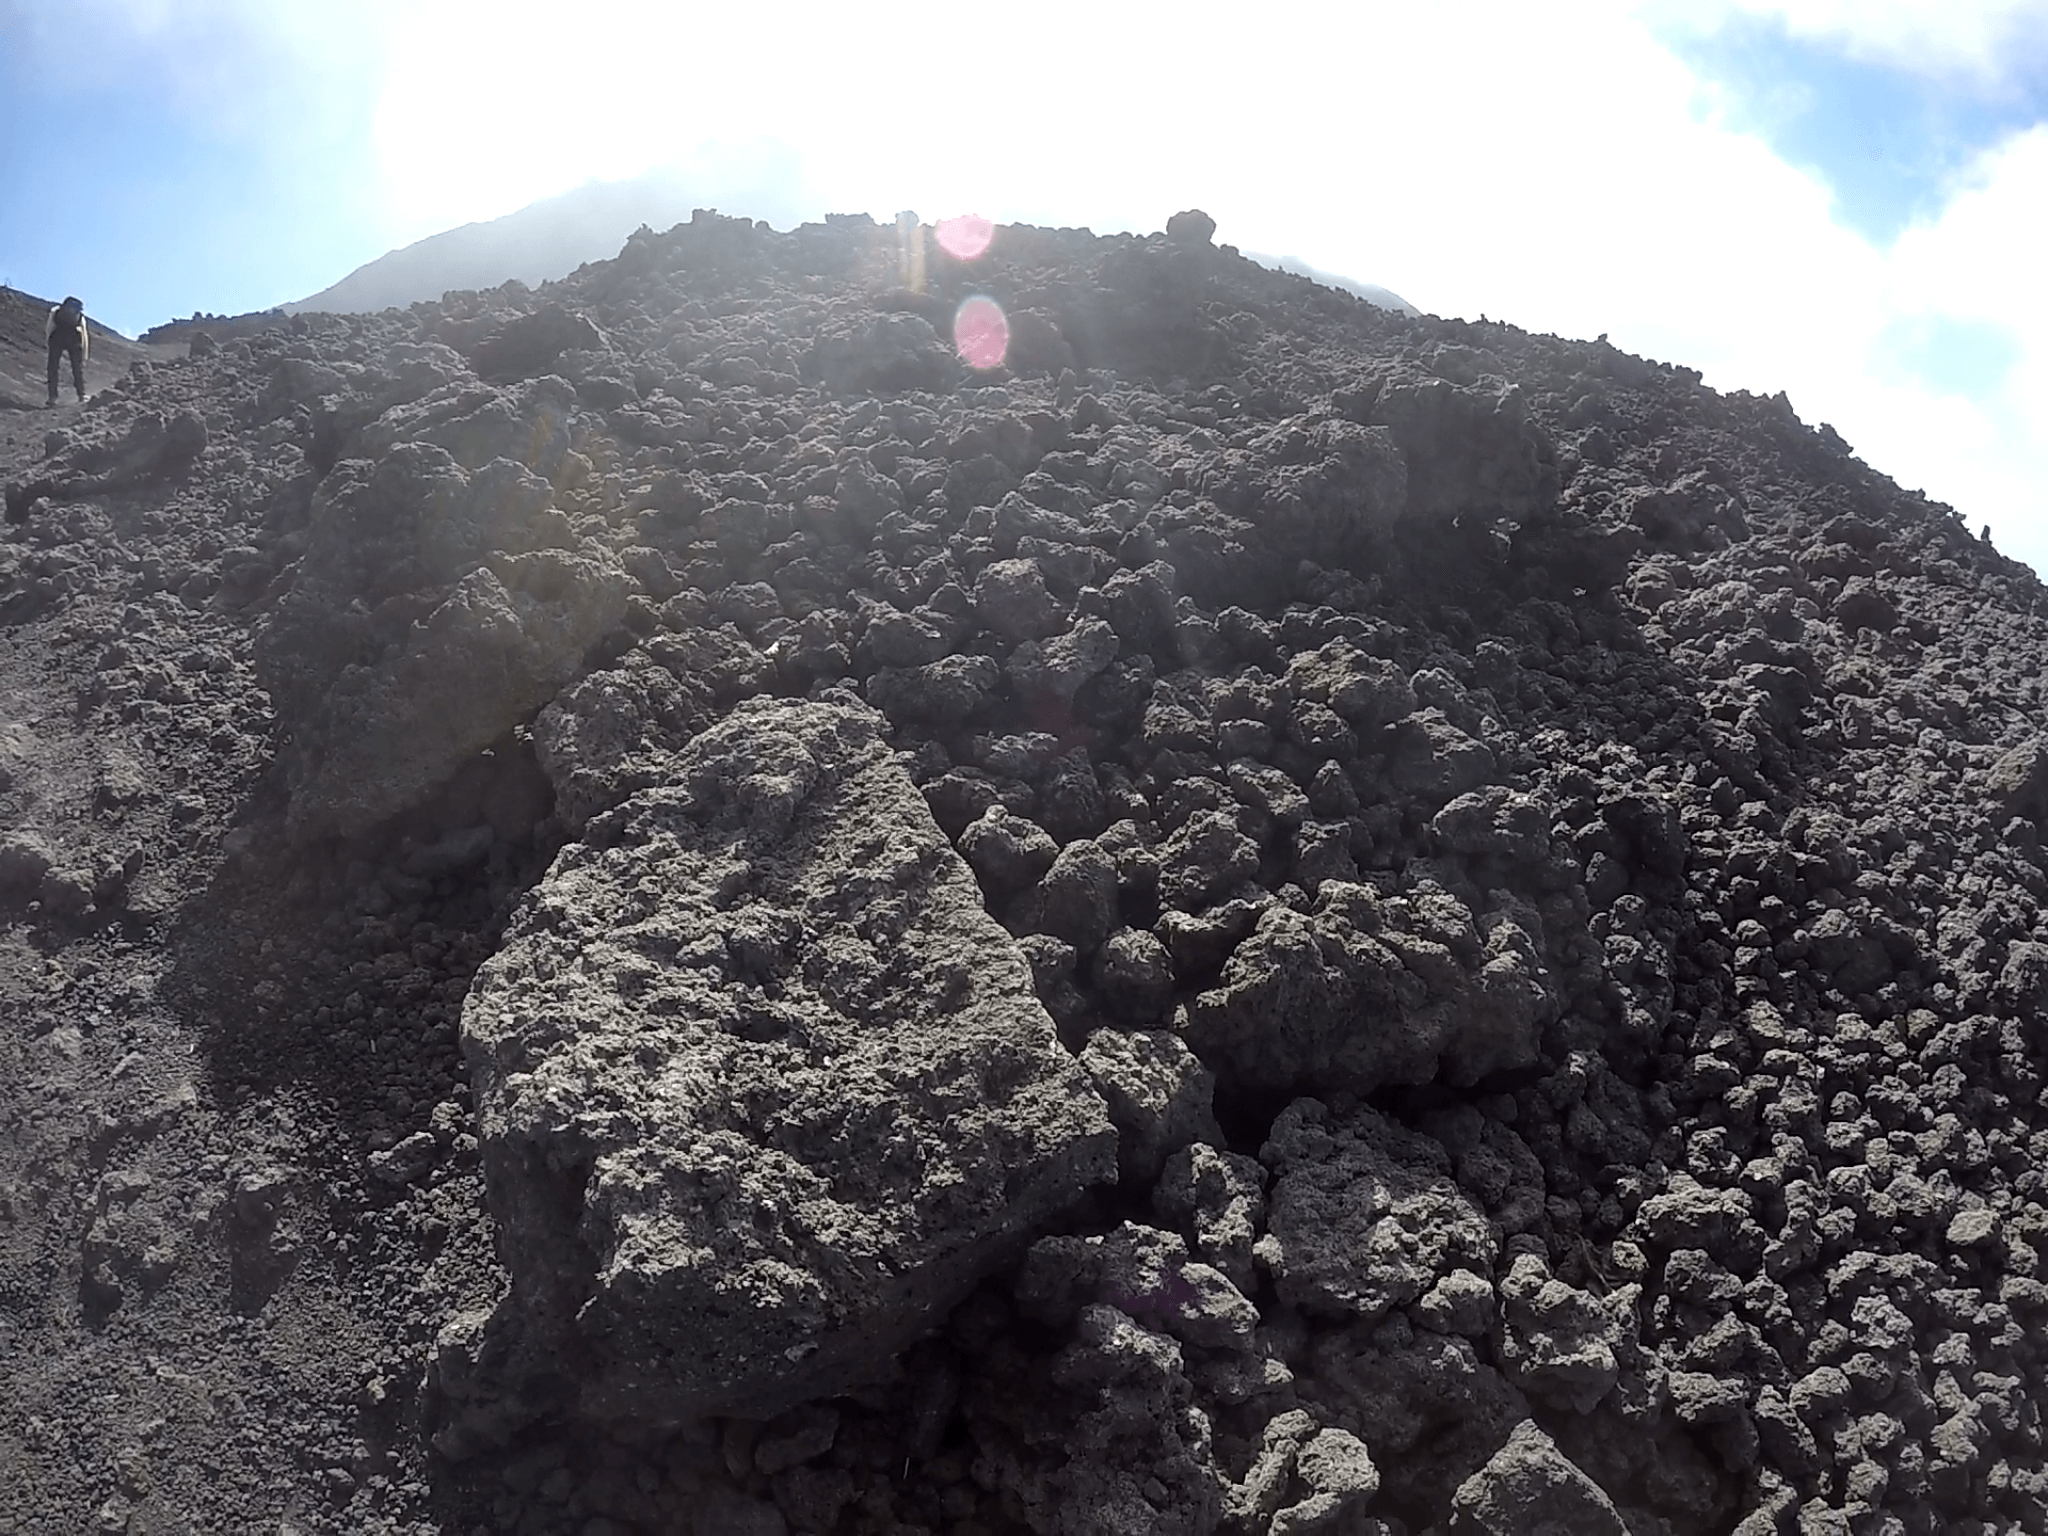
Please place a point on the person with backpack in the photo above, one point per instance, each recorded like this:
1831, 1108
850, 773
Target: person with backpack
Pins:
65, 332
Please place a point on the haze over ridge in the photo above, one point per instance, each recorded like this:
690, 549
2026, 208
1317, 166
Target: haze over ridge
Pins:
551, 237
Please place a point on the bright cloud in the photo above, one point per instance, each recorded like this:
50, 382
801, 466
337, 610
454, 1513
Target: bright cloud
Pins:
1985, 40
1979, 265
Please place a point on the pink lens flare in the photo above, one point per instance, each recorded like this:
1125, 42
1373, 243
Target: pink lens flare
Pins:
965, 236
981, 333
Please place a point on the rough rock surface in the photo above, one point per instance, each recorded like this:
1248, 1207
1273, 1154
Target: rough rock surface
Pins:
1363, 1216
1537, 863
761, 1087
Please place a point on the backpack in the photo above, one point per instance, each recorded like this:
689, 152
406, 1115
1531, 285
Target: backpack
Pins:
69, 317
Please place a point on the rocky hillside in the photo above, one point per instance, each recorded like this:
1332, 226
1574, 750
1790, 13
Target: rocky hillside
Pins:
25, 356
652, 906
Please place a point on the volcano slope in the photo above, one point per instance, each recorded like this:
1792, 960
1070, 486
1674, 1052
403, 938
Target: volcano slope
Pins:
24, 358
648, 906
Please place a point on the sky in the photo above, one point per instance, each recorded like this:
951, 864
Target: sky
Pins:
1841, 199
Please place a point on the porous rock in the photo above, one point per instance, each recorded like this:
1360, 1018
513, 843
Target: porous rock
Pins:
1531, 1486
1358, 993
1331, 486
1435, 761
441, 599
24, 860
882, 352
1008, 852
615, 732
1562, 1344
1012, 599
1221, 1198
1429, 1403
1135, 974
1365, 690
1468, 448
1159, 1096
762, 1088
1363, 1215
1144, 1273
529, 344
1117, 1444
1330, 1469
498, 646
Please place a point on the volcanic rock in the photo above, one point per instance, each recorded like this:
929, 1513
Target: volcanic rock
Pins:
699, 933
1531, 1486
762, 1088
1363, 1215
1359, 993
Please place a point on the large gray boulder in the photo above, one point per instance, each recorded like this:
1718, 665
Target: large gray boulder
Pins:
511, 633
442, 598
1468, 449
762, 1088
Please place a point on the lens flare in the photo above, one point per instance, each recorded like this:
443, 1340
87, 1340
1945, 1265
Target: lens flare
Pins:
910, 251
965, 236
981, 332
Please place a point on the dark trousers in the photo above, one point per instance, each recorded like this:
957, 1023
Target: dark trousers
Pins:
75, 345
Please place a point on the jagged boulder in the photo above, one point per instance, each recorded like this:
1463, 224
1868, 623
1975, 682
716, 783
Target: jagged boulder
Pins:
1363, 1216
529, 344
1362, 991
502, 643
763, 1089
1532, 1486
1320, 487
1469, 449
616, 731
441, 599
881, 352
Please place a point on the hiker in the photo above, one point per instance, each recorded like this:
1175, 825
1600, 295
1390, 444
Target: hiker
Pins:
65, 332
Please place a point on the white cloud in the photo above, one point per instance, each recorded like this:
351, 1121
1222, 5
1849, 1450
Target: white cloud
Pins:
1980, 261
1983, 255
1974, 39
